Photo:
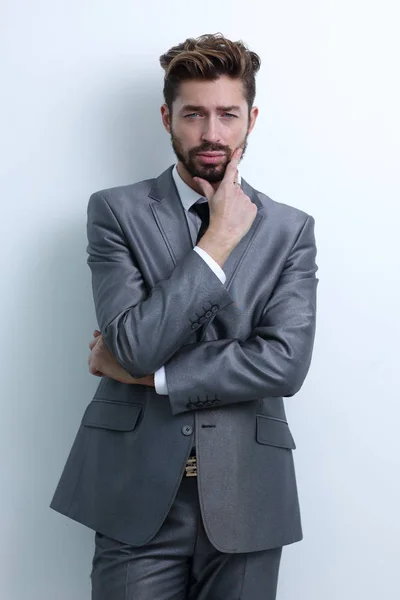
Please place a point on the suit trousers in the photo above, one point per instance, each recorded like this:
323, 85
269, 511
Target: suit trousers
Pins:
180, 563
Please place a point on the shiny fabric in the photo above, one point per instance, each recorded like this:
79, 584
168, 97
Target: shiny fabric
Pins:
180, 563
231, 353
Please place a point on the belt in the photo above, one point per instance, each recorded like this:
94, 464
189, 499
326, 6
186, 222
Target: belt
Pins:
191, 467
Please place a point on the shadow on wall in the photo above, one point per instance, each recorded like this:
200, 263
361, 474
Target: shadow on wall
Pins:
115, 137
125, 140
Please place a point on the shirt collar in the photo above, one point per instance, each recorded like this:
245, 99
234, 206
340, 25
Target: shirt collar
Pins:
187, 195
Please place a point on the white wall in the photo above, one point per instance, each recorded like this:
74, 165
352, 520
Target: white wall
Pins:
81, 91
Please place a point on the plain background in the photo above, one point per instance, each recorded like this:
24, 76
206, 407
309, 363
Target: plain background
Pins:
81, 89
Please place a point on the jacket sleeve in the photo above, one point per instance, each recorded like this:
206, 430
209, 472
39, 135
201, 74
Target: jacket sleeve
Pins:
273, 362
143, 328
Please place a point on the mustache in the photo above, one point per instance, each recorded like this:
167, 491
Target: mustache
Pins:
209, 149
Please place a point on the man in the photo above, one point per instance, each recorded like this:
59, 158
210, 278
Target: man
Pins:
183, 463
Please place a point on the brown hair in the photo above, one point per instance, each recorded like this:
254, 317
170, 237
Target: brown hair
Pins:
206, 58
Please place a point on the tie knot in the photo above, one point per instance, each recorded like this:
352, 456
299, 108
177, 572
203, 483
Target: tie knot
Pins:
202, 209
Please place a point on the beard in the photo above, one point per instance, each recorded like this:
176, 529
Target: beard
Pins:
211, 173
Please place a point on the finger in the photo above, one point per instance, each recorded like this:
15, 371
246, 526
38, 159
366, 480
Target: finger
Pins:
95, 341
93, 370
90, 367
205, 186
96, 333
231, 171
92, 364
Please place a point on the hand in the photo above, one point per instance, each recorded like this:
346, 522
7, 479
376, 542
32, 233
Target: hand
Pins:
102, 362
231, 211
92, 344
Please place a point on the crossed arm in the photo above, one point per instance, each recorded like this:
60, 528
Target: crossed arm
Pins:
274, 361
101, 362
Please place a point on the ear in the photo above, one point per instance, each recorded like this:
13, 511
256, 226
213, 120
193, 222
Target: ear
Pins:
253, 118
165, 116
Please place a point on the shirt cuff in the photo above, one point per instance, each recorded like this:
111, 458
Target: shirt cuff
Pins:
211, 263
160, 381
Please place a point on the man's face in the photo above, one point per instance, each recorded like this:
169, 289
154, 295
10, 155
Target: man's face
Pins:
209, 117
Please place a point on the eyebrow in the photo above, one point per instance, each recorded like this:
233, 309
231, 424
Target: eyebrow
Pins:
194, 108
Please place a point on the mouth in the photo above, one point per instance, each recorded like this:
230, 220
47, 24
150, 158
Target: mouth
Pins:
211, 157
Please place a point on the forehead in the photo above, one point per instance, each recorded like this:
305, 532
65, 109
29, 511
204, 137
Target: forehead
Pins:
222, 92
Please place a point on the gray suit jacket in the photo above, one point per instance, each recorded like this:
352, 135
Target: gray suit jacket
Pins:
231, 353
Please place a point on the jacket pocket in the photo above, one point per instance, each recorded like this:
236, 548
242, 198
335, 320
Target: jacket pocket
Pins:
107, 414
274, 432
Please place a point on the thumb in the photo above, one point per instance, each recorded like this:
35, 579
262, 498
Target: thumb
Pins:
206, 188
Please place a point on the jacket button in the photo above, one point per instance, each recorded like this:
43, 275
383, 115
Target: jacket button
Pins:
215, 308
187, 430
208, 313
195, 325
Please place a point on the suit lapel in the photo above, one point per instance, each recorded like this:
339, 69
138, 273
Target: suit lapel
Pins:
174, 230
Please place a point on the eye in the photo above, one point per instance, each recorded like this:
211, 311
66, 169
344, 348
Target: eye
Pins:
229, 115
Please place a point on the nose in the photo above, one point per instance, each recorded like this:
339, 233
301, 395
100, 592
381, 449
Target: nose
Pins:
211, 131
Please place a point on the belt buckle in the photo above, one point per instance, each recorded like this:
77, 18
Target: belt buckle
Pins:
191, 466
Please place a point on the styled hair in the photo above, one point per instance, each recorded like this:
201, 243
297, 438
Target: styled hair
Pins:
207, 58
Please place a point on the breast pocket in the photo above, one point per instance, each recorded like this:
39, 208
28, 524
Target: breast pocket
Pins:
107, 414
274, 432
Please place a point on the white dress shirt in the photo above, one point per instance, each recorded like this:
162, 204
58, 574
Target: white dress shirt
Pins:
188, 197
